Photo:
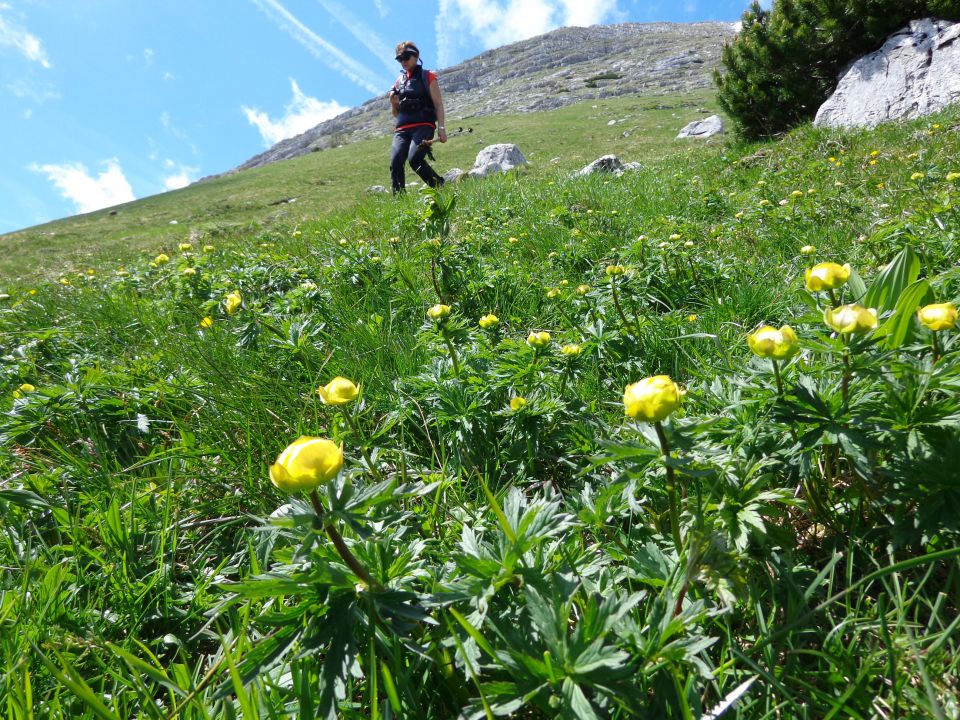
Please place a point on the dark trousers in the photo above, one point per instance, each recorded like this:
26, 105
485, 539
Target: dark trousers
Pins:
408, 147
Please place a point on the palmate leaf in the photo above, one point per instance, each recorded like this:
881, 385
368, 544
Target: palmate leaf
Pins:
888, 286
896, 330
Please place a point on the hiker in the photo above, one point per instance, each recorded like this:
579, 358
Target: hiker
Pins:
416, 104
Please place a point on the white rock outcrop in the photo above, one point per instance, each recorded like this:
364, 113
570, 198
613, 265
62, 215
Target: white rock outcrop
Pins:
915, 73
605, 164
496, 159
700, 129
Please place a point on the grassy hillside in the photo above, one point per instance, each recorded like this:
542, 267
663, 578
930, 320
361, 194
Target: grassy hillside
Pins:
232, 206
518, 528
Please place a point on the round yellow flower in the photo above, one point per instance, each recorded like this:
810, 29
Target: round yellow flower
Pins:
538, 339
489, 321
206, 322
952, 176
917, 176
553, 293
208, 248
768, 342
338, 391
306, 463
808, 250
571, 350
188, 271
23, 390
438, 312
651, 399
939, 316
161, 259
826, 276
233, 302
583, 289
853, 319
614, 270
518, 403
184, 247
797, 194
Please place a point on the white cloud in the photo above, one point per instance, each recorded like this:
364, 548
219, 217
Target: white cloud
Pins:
300, 115
381, 8
364, 34
86, 192
28, 44
38, 93
499, 22
322, 50
179, 179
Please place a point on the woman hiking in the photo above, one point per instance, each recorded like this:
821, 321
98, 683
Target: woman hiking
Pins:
418, 108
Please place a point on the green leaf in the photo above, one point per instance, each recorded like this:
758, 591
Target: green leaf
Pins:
896, 329
71, 679
576, 702
888, 286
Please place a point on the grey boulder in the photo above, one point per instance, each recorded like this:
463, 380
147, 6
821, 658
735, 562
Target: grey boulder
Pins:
497, 159
700, 129
915, 73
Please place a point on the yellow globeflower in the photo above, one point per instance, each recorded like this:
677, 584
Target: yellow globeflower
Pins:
768, 342
571, 350
652, 399
188, 271
489, 321
161, 259
808, 250
184, 247
939, 316
233, 302
826, 276
917, 176
438, 312
206, 322
338, 391
583, 289
23, 390
553, 292
538, 339
850, 319
614, 270
306, 463
518, 403
208, 248
951, 176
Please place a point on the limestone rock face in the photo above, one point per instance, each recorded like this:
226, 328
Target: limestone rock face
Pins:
708, 127
915, 73
497, 158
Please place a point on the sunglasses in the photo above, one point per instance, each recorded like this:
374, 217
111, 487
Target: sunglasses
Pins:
405, 55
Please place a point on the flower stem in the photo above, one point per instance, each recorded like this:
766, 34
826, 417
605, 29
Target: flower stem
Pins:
671, 487
616, 304
342, 550
348, 416
936, 345
845, 380
776, 374
453, 354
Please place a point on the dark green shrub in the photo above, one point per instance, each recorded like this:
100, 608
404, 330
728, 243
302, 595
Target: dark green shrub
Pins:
785, 62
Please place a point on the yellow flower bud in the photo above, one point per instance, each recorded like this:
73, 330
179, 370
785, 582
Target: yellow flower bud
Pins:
850, 319
184, 247
651, 399
553, 292
583, 289
768, 342
614, 270
306, 463
161, 259
917, 176
188, 271
939, 316
438, 312
808, 250
797, 194
538, 339
208, 248
518, 403
206, 322
489, 321
826, 276
338, 391
952, 176
23, 390
571, 350
233, 302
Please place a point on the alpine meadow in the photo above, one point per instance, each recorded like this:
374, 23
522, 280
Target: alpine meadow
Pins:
679, 443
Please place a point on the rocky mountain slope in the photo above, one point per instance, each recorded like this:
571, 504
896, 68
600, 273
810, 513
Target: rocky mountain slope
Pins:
560, 68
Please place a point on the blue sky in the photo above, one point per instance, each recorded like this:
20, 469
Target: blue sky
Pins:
104, 101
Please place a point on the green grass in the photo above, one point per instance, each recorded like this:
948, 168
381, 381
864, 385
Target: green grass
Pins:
556, 560
233, 206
